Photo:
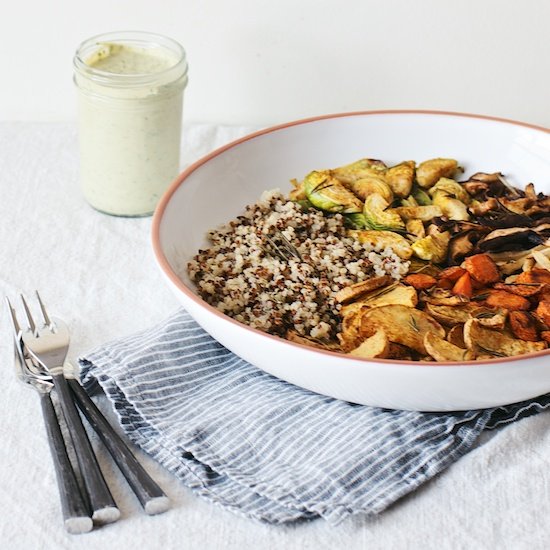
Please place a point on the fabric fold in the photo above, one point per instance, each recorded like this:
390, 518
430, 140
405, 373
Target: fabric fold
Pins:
262, 447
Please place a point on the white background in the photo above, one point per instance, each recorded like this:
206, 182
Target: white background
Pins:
264, 62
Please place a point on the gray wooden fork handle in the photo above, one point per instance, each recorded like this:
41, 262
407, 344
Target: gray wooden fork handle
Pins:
76, 516
104, 509
149, 494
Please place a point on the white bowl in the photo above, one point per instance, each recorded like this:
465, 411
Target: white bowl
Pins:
216, 188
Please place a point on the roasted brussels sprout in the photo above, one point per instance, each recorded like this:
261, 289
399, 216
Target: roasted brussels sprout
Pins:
430, 171
432, 248
383, 239
298, 193
424, 213
452, 188
377, 217
369, 185
359, 169
326, 193
400, 178
421, 197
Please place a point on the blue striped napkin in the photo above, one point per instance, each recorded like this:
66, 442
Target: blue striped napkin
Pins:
264, 448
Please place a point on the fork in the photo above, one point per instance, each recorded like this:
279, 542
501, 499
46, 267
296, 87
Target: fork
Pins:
76, 517
48, 345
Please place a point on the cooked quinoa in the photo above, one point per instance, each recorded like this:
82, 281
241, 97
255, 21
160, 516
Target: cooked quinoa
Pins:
249, 274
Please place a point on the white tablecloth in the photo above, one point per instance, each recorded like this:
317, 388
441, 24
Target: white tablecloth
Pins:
98, 273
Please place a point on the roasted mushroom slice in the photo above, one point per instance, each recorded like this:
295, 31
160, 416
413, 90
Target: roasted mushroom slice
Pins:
514, 238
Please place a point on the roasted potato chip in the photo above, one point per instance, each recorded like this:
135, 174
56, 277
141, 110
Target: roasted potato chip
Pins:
376, 345
398, 294
456, 336
490, 318
450, 315
486, 341
293, 336
352, 292
403, 325
350, 335
442, 350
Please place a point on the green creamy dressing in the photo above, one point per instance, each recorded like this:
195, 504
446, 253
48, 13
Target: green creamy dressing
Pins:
129, 136
122, 59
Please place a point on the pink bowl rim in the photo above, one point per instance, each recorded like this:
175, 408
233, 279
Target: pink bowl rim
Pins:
165, 267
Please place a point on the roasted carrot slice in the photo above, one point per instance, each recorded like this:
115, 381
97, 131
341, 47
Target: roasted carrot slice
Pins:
447, 284
482, 268
534, 276
452, 273
524, 326
420, 281
463, 286
521, 289
506, 300
543, 312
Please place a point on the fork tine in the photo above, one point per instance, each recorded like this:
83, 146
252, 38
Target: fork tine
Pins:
14, 322
28, 314
47, 320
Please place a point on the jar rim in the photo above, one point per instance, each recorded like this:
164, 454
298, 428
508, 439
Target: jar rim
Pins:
136, 38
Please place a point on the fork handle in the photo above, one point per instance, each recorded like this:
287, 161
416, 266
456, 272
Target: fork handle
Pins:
150, 495
76, 516
104, 508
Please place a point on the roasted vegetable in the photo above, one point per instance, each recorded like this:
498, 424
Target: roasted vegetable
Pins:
543, 313
506, 300
482, 340
359, 169
378, 218
400, 178
523, 326
420, 281
415, 229
423, 213
352, 292
374, 346
327, 193
452, 273
432, 248
482, 268
430, 171
451, 315
538, 276
451, 188
463, 286
403, 325
442, 350
299, 192
392, 294
421, 197
384, 239
372, 184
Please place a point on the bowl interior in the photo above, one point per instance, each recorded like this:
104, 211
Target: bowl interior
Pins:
216, 189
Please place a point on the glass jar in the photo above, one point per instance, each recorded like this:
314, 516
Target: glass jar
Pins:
130, 98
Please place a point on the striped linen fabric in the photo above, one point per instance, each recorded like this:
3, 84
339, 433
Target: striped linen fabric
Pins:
262, 447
